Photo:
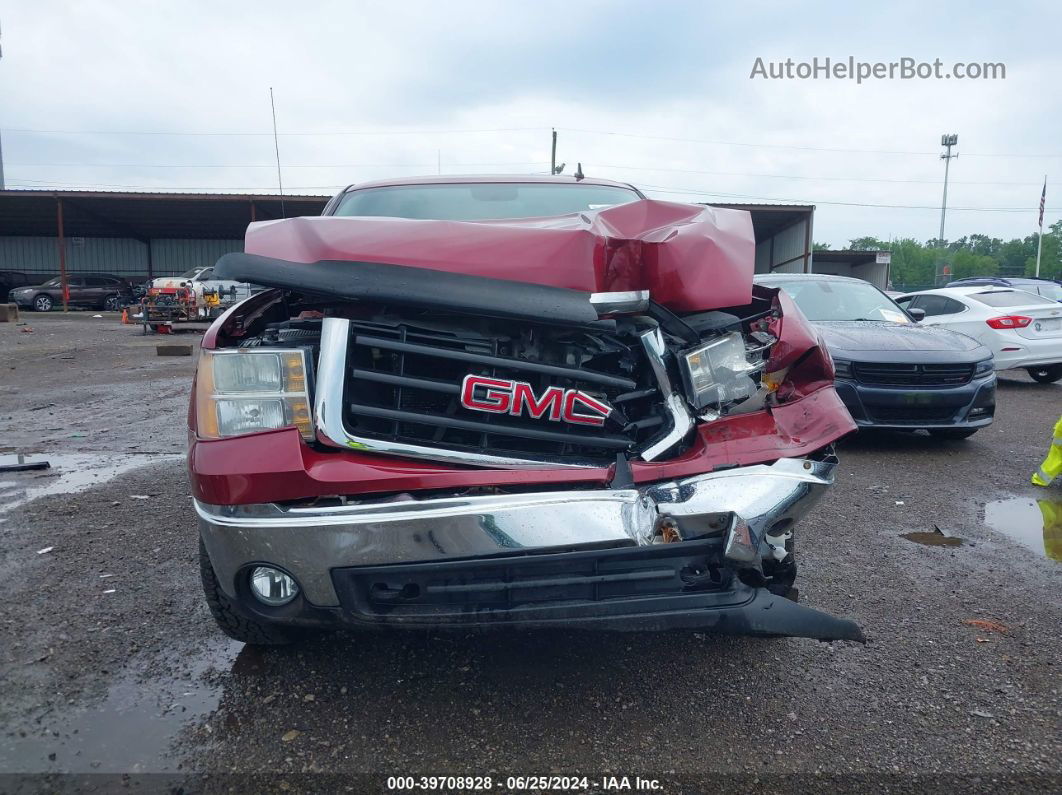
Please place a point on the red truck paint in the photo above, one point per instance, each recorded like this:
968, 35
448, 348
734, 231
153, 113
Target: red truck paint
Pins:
690, 257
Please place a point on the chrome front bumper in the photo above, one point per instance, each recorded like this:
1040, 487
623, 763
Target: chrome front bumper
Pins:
311, 541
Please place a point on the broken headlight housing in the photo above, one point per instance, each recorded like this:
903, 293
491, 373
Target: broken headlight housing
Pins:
721, 372
250, 390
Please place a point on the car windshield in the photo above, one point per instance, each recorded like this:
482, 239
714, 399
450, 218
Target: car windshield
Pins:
56, 282
1010, 298
190, 274
478, 201
834, 300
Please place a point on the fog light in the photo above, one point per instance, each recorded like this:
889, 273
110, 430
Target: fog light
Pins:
272, 586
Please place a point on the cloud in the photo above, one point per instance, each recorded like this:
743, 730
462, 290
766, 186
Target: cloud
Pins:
620, 80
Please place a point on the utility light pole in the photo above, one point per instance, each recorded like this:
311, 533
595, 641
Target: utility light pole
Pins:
1, 150
947, 140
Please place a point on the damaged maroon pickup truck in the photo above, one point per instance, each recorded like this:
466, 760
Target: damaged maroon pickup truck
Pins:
508, 402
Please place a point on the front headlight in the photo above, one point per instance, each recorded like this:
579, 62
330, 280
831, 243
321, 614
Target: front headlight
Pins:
253, 389
719, 372
843, 369
983, 367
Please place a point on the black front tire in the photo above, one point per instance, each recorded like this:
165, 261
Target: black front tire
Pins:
1045, 375
231, 621
43, 303
112, 303
953, 433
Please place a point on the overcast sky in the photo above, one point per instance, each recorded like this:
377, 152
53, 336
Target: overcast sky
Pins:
655, 93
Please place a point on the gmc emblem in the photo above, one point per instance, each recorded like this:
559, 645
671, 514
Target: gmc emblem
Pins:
502, 396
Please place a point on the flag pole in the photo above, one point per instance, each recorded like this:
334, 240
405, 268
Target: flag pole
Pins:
1039, 245
1040, 237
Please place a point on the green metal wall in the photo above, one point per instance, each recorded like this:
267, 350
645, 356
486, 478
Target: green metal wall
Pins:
121, 256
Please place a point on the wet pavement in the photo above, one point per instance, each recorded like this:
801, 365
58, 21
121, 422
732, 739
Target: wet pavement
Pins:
1034, 522
110, 662
66, 473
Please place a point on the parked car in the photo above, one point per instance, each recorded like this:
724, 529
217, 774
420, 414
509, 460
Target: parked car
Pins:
891, 372
93, 290
11, 280
1022, 330
559, 417
1048, 288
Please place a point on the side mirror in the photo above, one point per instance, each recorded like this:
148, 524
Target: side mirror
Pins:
918, 314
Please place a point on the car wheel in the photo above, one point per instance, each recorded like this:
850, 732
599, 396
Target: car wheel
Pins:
1045, 375
231, 621
953, 433
42, 303
112, 303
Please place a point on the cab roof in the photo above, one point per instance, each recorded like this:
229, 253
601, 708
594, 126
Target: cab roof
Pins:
488, 179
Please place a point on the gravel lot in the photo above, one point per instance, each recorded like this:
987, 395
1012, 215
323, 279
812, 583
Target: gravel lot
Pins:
126, 673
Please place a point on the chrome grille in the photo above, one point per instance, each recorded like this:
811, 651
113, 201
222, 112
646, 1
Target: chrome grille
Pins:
403, 385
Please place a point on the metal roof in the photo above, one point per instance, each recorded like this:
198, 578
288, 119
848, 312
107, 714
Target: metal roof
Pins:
145, 216
770, 219
487, 179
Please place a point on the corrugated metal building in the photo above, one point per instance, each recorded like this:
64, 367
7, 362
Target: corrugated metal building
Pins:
135, 235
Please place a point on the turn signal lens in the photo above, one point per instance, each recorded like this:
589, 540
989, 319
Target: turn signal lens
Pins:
249, 390
1009, 321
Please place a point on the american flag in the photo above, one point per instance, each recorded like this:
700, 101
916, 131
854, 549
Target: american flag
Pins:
1043, 200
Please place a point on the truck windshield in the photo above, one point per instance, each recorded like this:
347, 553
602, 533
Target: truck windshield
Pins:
829, 300
478, 201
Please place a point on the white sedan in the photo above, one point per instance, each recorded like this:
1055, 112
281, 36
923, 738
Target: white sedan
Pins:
1021, 329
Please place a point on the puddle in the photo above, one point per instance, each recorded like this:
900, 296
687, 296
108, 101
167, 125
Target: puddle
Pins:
69, 473
130, 731
933, 539
1033, 523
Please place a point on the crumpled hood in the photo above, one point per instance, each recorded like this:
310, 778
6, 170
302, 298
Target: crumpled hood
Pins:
869, 335
689, 257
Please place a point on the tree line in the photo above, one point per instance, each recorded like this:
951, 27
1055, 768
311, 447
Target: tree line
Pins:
919, 265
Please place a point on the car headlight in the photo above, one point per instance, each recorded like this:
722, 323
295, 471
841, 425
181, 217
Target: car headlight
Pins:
719, 372
249, 390
984, 367
843, 369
